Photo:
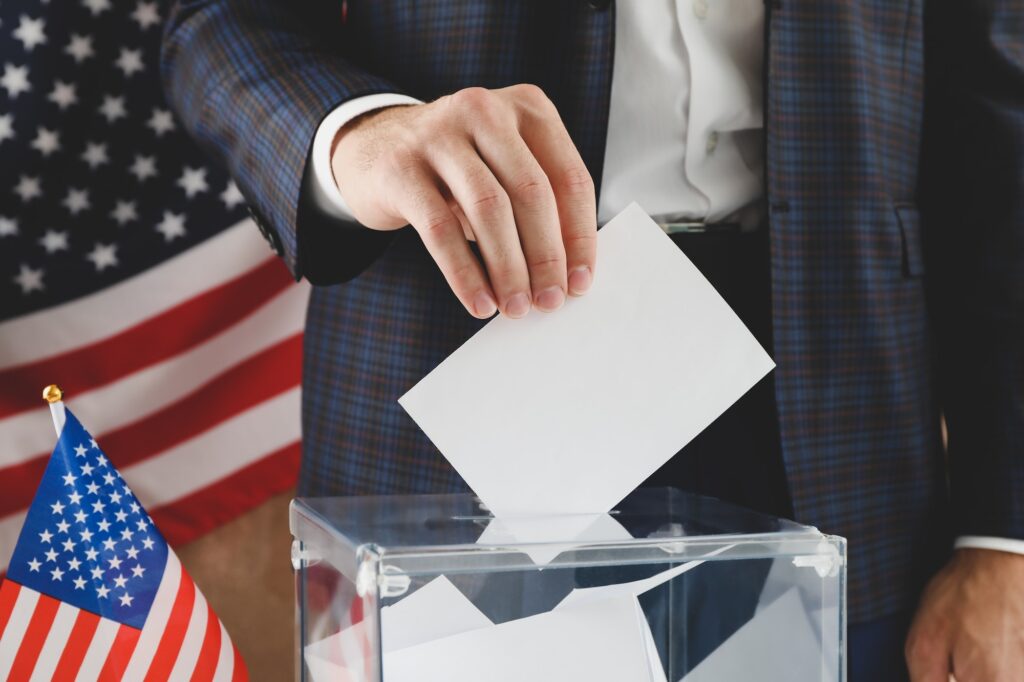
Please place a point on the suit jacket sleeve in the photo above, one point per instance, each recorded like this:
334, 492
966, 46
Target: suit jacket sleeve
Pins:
251, 80
973, 203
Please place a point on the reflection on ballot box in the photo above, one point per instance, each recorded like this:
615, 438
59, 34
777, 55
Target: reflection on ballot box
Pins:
668, 586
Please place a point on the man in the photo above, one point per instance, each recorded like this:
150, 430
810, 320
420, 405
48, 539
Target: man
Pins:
865, 192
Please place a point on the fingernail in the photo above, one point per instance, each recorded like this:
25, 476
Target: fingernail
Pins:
518, 305
484, 305
580, 280
550, 299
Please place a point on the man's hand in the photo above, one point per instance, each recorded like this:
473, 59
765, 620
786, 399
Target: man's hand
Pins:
496, 166
971, 621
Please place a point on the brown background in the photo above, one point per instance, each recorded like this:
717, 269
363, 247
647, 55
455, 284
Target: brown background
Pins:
244, 570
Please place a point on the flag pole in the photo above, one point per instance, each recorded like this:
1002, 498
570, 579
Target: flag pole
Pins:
55, 397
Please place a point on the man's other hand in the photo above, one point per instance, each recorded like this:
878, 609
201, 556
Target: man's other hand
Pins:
495, 166
971, 621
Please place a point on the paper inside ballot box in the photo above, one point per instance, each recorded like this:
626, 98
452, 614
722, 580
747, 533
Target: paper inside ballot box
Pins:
436, 633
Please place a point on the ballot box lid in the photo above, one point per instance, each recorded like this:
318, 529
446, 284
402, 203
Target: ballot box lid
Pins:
429, 534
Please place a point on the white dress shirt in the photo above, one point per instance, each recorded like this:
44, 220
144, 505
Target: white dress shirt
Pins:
685, 124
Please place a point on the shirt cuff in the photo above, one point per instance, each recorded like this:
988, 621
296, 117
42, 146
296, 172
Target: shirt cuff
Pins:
985, 542
322, 187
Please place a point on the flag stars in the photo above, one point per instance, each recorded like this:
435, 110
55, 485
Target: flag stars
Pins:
137, 571
79, 583
8, 227
29, 279
143, 167
75, 497
63, 526
57, 507
114, 562
172, 226
15, 80
85, 535
80, 516
93, 444
63, 95
30, 32
132, 552
79, 47
109, 544
96, 6
87, 469
51, 555
102, 591
45, 536
103, 256
231, 196
28, 188
126, 599
73, 564
147, 543
141, 524
46, 142
98, 506
108, 478
80, 450
104, 526
90, 555
121, 516
193, 181
34, 565
161, 121
54, 241
97, 573
95, 154
120, 581
134, 506
130, 61
115, 497
146, 15
124, 212
69, 478
69, 545
56, 574
76, 201
127, 534
113, 108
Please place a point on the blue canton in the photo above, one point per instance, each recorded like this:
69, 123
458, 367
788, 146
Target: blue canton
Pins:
87, 540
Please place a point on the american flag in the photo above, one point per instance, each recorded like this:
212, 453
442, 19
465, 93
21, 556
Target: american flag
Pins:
130, 274
93, 591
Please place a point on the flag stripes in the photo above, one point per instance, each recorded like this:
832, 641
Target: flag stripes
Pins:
44, 639
166, 380
183, 326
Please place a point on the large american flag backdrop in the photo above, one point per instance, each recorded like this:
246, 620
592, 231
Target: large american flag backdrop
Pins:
130, 276
95, 593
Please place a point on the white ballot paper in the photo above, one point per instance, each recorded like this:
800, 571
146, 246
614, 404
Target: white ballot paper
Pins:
547, 537
568, 412
599, 641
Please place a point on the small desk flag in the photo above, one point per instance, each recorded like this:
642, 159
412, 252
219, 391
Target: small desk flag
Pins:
93, 592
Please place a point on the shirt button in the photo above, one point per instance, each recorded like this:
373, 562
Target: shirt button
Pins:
700, 8
712, 143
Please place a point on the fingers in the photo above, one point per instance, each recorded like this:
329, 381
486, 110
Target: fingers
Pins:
418, 199
573, 188
490, 217
535, 210
928, 655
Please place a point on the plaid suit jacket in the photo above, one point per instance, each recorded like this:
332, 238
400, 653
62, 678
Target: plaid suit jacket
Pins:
897, 233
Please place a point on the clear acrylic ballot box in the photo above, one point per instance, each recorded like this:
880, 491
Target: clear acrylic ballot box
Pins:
668, 586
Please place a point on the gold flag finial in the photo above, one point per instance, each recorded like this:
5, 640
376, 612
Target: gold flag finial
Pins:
52, 393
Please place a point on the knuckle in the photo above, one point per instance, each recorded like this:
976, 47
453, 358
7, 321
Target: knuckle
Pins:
576, 180
533, 188
463, 274
489, 201
474, 100
435, 224
543, 261
531, 94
